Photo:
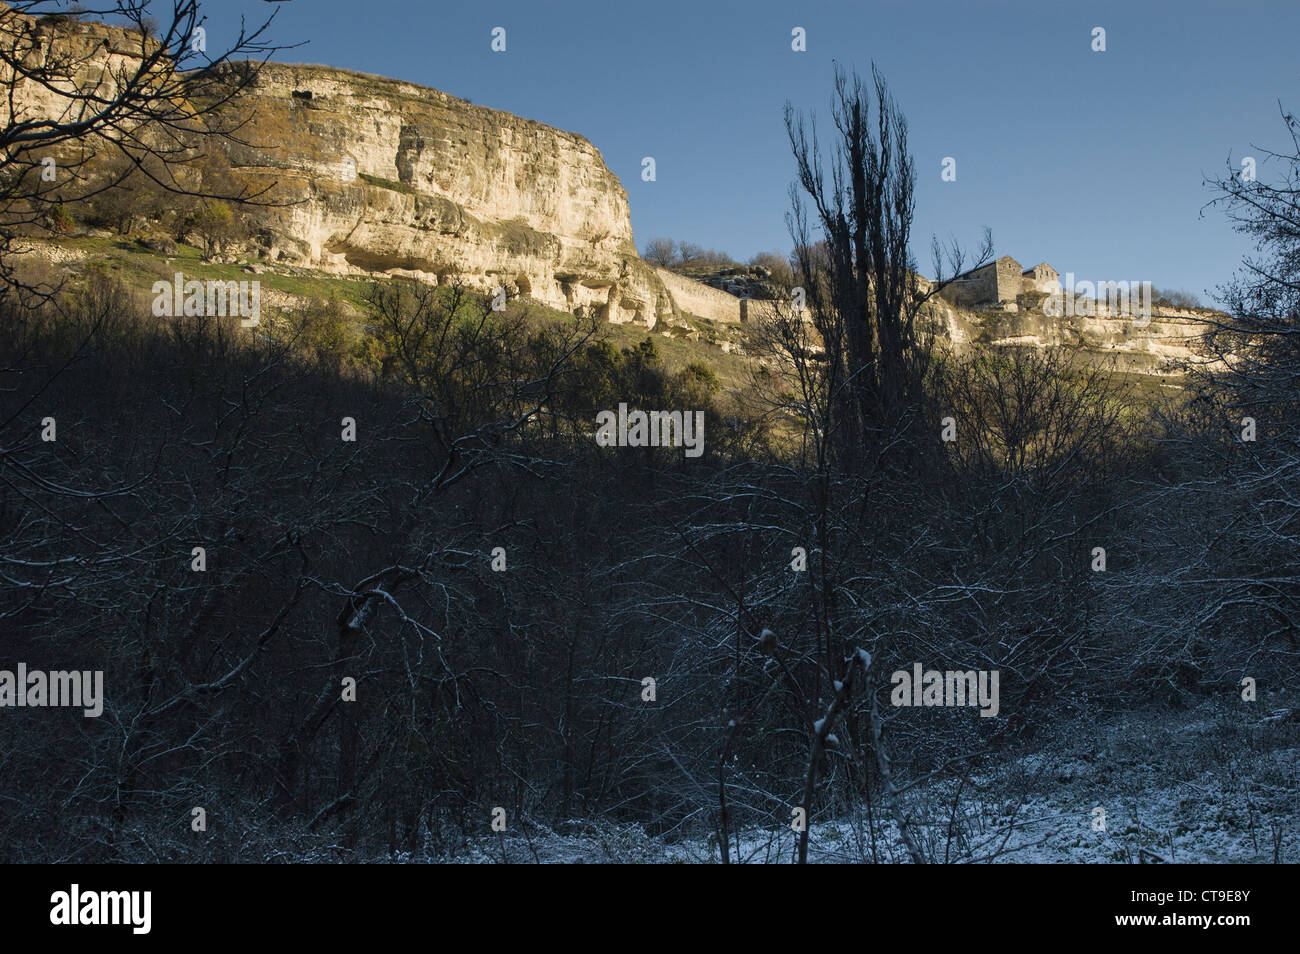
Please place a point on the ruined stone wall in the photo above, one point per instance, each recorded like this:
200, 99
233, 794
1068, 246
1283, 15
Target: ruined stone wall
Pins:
1008, 279
995, 282
699, 299
1041, 279
759, 309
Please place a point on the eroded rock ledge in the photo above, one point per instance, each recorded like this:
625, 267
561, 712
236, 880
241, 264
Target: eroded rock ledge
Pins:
388, 176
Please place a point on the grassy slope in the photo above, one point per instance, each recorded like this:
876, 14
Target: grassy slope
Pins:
138, 266
132, 263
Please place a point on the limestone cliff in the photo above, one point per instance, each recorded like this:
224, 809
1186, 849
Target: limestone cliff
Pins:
381, 176
387, 176
1164, 344
97, 53
384, 176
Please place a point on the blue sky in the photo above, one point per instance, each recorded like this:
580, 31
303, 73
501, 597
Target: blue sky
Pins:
1090, 161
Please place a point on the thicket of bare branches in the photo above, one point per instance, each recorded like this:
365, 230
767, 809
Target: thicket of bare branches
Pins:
499, 588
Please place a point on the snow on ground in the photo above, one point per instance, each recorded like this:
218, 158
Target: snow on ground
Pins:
1214, 784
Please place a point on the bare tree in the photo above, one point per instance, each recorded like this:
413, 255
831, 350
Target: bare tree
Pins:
150, 95
661, 252
777, 266
1235, 457
860, 281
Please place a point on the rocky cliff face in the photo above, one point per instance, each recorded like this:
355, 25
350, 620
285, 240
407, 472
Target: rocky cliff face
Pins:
99, 55
1165, 344
382, 176
375, 175
386, 176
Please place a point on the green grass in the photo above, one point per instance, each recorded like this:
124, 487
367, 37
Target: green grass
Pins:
134, 264
733, 370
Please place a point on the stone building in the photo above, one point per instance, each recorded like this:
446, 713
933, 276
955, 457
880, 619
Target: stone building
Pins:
1001, 282
1042, 277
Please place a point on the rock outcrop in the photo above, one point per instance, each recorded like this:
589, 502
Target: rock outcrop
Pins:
381, 176
386, 176
97, 53
1164, 344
